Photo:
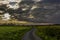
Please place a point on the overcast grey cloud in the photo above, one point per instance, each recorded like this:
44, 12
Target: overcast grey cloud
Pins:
52, 1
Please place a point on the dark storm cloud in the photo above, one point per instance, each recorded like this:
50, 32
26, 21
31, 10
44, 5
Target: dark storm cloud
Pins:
55, 19
52, 1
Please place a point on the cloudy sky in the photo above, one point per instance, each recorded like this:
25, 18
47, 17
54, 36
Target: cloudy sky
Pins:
52, 1
37, 0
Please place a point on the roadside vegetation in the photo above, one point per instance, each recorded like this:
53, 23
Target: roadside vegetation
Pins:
48, 32
13, 32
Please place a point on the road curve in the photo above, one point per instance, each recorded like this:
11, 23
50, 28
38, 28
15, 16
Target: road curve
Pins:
31, 35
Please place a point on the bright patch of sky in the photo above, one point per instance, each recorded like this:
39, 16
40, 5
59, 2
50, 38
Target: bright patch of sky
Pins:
15, 0
6, 16
12, 0
13, 6
37, 0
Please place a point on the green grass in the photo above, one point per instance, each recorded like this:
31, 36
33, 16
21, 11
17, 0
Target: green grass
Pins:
48, 32
12, 32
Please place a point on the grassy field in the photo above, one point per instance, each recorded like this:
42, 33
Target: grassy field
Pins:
12, 32
48, 32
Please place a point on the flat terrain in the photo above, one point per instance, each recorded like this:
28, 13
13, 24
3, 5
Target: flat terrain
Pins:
50, 32
12, 32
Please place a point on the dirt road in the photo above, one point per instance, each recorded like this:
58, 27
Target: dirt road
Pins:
31, 35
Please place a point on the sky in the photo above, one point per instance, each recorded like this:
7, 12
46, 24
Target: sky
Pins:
52, 1
55, 18
37, 0
48, 1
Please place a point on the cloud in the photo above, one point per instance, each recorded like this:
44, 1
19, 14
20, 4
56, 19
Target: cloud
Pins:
52, 1
37, 0
55, 19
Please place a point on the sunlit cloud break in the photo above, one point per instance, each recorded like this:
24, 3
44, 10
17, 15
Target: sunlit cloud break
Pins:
37, 0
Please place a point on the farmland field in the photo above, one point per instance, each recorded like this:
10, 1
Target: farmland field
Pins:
17, 32
12, 32
48, 32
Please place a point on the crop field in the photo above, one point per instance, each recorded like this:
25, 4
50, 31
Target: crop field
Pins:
48, 32
12, 32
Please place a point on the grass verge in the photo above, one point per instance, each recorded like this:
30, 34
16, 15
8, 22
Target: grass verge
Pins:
48, 32
12, 32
